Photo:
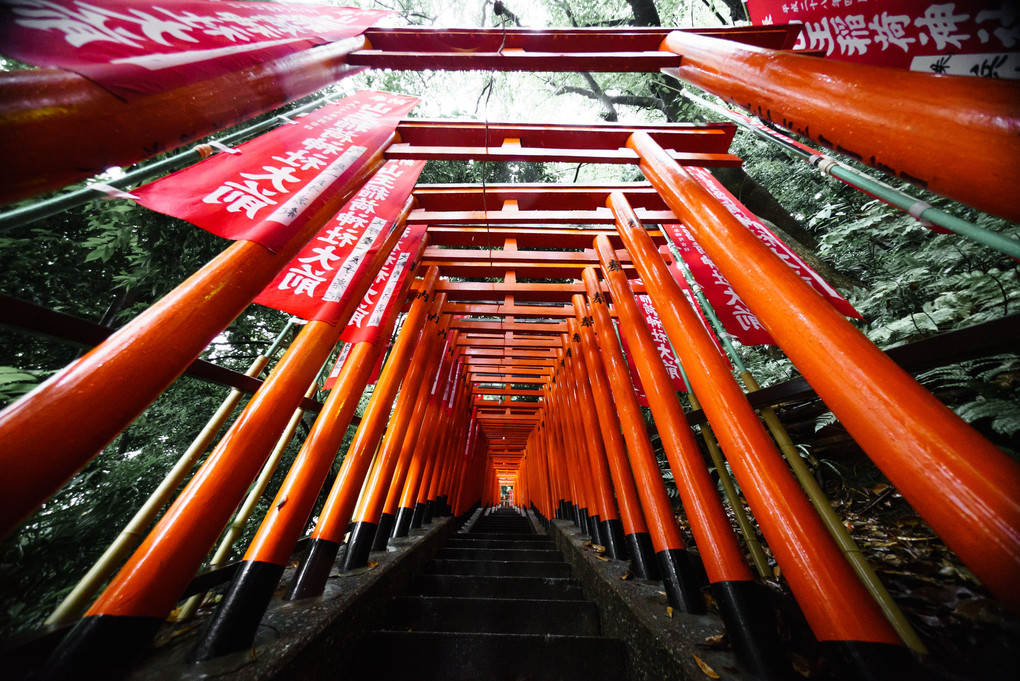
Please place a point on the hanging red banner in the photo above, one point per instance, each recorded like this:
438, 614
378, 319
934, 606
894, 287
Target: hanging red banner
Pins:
973, 38
366, 323
681, 281
758, 228
265, 191
135, 48
736, 317
315, 283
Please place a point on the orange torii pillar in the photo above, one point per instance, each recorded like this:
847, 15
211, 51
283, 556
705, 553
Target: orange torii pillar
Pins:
965, 487
955, 135
836, 604
631, 515
423, 444
592, 507
65, 128
574, 444
49, 434
744, 609
677, 573
365, 521
468, 488
418, 496
131, 609
459, 417
233, 625
566, 460
310, 578
609, 515
387, 519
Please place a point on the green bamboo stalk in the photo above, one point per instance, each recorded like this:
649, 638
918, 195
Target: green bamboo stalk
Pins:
78, 600
821, 503
240, 521
880, 190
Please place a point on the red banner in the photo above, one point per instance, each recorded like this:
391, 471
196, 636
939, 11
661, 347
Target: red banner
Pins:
315, 283
681, 281
366, 323
267, 190
972, 38
135, 48
758, 228
736, 317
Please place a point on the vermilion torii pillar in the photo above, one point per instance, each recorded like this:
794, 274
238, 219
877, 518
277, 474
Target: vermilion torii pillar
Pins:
670, 552
741, 604
47, 435
955, 135
387, 519
836, 604
365, 521
336, 514
631, 514
142, 594
271, 547
965, 487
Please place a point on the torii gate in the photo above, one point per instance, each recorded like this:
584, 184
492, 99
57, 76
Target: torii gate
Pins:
579, 450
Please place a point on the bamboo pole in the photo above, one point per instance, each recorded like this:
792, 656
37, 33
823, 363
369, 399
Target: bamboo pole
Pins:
255, 492
921, 210
839, 533
75, 603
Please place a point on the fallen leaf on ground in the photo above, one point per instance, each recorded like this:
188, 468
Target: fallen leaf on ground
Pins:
669, 611
626, 575
703, 666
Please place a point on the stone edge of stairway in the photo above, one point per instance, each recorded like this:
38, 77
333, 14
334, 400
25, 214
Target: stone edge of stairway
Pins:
309, 639
659, 647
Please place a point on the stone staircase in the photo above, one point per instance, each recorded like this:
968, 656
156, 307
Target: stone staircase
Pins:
496, 603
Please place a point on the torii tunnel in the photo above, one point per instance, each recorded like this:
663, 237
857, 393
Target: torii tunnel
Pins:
514, 318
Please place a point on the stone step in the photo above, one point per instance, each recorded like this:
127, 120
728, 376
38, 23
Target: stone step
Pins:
493, 615
459, 542
492, 657
496, 568
536, 555
495, 587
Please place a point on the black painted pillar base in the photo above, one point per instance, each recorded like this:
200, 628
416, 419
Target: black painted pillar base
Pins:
444, 506
359, 545
642, 555
100, 647
560, 513
612, 539
382, 534
417, 515
402, 524
232, 627
680, 581
313, 572
593, 530
430, 511
582, 521
751, 627
869, 661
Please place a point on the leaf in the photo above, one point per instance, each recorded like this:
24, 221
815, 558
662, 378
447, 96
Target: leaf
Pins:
626, 575
669, 611
717, 641
703, 666
602, 558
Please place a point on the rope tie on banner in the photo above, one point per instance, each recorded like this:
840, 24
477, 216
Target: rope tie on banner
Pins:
286, 120
112, 192
206, 150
